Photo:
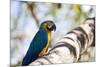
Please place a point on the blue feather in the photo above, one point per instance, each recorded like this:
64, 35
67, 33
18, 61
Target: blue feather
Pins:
37, 44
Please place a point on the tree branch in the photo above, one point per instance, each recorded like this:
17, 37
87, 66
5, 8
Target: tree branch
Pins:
31, 6
71, 46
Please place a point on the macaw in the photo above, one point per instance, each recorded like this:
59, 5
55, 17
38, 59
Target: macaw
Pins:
40, 43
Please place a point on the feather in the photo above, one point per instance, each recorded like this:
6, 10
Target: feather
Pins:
37, 44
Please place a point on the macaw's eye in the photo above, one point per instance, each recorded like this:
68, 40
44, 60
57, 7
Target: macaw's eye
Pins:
49, 26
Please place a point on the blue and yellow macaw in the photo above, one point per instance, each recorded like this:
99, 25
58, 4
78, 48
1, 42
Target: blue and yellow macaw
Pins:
40, 43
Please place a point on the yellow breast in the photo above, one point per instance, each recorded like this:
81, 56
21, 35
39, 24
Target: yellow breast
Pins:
49, 40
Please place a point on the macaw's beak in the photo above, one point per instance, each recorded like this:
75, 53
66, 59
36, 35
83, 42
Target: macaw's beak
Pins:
54, 27
51, 26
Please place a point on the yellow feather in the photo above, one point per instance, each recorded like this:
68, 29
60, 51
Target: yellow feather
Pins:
49, 40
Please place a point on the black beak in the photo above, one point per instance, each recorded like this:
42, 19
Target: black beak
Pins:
54, 27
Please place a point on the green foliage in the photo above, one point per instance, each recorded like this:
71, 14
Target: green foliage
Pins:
79, 14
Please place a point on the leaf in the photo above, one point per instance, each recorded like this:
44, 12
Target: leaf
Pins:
76, 8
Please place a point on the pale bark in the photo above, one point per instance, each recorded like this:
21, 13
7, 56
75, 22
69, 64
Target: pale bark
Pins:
70, 47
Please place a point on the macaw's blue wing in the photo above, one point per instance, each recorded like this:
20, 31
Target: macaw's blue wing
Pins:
37, 44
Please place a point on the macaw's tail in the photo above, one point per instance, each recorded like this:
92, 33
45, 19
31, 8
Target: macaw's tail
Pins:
27, 60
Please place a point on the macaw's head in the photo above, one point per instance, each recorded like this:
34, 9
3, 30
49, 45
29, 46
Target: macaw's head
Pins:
48, 25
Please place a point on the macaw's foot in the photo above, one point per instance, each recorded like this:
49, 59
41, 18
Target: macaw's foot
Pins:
42, 53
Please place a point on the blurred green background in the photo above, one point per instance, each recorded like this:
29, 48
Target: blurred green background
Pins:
27, 16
